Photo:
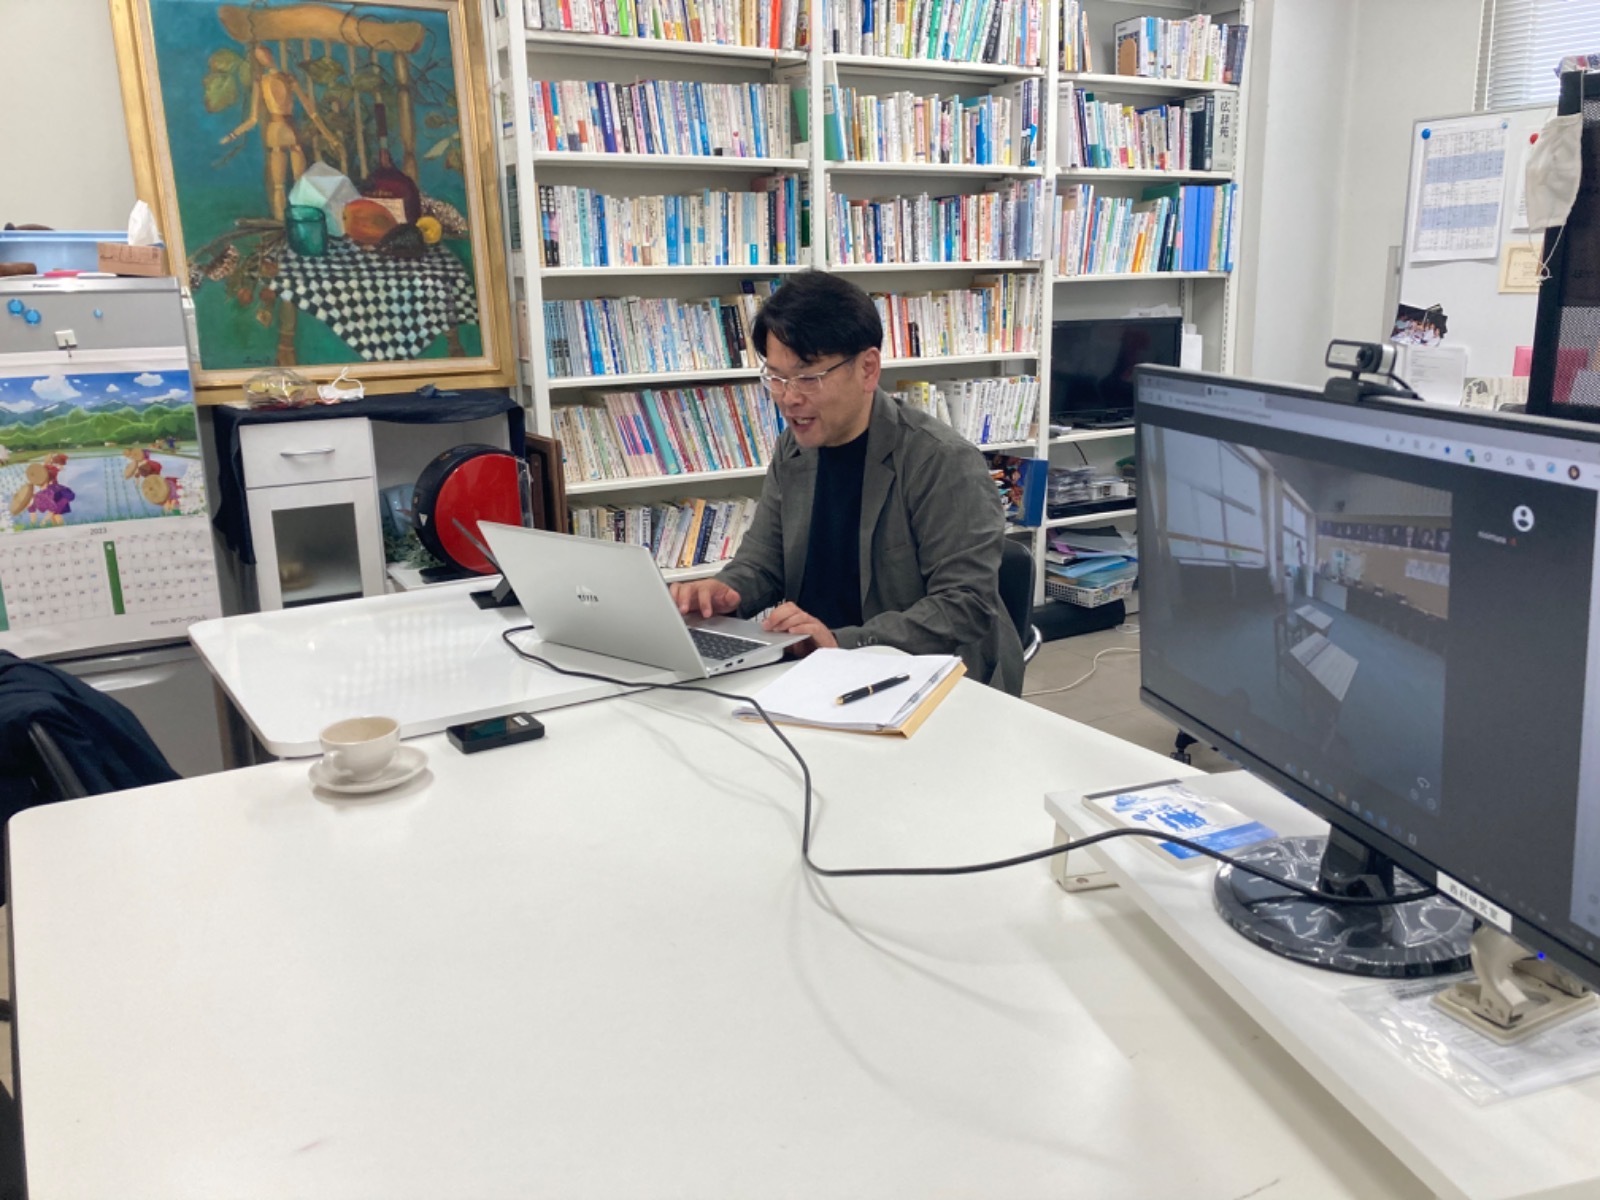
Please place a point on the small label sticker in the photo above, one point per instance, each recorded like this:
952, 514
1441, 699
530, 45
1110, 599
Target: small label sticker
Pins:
1472, 902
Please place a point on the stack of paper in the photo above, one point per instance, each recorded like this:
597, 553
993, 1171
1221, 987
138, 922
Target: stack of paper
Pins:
808, 693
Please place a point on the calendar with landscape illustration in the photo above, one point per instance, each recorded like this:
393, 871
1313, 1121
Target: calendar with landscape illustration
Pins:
104, 534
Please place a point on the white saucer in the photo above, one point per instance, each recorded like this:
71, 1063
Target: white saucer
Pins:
408, 762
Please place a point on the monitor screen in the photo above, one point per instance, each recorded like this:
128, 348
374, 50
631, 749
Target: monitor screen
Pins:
1390, 614
1092, 363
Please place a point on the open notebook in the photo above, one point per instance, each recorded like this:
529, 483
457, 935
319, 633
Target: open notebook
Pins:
808, 691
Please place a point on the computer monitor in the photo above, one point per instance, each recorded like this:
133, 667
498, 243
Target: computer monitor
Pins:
1388, 611
1092, 364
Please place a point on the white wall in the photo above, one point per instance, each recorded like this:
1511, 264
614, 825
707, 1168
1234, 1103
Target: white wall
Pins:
63, 143
1336, 87
1417, 59
1302, 53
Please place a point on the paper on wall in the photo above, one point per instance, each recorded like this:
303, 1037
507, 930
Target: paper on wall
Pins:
1457, 208
1436, 373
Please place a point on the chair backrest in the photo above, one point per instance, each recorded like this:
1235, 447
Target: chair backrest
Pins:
1016, 586
56, 779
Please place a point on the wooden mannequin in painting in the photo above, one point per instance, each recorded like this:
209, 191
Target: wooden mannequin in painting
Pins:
272, 107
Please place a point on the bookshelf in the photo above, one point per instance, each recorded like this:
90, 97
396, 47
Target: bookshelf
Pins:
527, 56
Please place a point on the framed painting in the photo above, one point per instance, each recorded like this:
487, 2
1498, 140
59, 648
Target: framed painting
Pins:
323, 176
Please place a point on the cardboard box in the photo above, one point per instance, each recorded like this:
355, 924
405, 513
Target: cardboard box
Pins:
121, 259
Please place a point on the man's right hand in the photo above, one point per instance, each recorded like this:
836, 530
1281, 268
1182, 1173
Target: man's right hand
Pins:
705, 598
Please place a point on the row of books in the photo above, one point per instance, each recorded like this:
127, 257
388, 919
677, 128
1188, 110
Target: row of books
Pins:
674, 431
663, 116
774, 24
984, 411
998, 314
629, 334
1000, 225
1076, 52
767, 226
1189, 48
1170, 228
991, 31
685, 533
998, 129
1200, 133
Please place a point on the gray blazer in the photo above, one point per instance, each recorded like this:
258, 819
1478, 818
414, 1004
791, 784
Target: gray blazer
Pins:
932, 530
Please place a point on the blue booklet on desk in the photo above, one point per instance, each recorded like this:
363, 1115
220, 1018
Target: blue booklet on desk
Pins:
1172, 808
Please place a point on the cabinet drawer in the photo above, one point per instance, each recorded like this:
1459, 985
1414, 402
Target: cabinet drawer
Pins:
306, 452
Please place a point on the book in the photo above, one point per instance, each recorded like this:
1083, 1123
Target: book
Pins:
808, 692
1174, 808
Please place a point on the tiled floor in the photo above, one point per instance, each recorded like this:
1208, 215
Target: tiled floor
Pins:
1109, 698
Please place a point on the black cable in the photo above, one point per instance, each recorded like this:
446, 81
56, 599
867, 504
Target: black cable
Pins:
690, 685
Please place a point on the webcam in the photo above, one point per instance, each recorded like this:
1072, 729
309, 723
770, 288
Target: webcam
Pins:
1360, 358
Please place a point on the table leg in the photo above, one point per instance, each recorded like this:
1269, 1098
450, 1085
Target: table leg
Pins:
239, 745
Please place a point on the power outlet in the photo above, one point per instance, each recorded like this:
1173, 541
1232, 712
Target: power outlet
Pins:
66, 339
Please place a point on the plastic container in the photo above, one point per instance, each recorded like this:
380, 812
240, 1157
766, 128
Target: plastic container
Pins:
57, 249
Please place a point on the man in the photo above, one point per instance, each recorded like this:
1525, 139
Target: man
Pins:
878, 524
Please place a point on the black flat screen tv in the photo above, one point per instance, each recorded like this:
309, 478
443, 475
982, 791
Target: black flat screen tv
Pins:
1092, 362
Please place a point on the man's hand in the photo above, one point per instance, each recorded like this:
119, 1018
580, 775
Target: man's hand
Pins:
705, 597
791, 618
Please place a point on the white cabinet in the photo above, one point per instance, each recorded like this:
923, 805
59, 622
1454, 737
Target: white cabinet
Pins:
311, 490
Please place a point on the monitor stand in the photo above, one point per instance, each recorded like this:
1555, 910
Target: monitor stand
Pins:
1407, 939
1513, 992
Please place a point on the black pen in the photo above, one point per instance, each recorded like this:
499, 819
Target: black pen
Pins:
873, 688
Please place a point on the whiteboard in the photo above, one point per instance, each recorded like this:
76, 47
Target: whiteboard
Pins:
1490, 325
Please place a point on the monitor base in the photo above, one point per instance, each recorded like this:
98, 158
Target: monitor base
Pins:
1410, 939
1513, 993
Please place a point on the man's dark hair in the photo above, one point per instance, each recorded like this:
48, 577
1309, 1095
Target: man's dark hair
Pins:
816, 314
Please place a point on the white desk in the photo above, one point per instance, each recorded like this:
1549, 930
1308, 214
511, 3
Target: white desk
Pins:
1332, 667
1542, 1145
592, 966
1314, 617
430, 659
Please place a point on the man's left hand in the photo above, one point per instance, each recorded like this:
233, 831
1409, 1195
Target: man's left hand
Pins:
791, 618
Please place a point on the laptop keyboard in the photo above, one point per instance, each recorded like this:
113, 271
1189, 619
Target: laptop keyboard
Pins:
719, 647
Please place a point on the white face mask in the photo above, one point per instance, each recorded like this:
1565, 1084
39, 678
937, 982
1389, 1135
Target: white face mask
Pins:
1555, 165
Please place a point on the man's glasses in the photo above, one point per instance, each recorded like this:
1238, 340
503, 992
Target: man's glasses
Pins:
803, 385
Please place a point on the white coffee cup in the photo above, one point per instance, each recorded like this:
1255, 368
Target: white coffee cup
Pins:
360, 748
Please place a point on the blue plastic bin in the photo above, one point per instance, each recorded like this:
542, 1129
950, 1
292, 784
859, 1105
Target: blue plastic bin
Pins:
56, 249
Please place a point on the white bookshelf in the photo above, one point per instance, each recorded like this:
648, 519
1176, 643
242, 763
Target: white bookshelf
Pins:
1206, 299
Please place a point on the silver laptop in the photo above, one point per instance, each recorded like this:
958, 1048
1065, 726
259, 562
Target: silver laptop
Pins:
609, 598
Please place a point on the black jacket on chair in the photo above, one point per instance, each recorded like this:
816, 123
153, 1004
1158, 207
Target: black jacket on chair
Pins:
107, 747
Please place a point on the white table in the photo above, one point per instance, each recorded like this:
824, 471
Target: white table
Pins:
430, 658
1314, 617
1542, 1145
1331, 666
592, 966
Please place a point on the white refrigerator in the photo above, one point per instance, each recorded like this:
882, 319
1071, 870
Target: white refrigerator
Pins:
106, 553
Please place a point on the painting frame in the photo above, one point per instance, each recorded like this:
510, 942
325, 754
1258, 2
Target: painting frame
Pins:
490, 361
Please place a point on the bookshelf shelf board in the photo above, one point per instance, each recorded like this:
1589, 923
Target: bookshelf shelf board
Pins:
1090, 435
904, 364
1091, 518
914, 168
702, 571
1136, 276
651, 378
704, 162
1140, 83
634, 272
933, 66
687, 478
593, 43
1120, 173
1028, 444
891, 268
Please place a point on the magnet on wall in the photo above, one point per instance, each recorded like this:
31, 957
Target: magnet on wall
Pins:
32, 316
98, 315
16, 308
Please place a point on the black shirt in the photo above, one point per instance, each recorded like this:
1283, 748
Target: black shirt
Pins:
830, 589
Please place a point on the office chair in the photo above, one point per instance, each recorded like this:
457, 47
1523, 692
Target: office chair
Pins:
55, 777
1016, 593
